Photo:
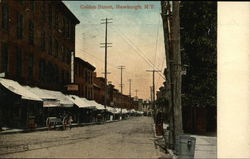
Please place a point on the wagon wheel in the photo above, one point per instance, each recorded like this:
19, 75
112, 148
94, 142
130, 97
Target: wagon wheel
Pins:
48, 124
64, 123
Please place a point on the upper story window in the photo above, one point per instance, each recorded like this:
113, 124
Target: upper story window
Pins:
43, 40
5, 57
43, 11
50, 15
19, 62
55, 48
56, 20
50, 45
5, 16
42, 70
31, 32
32, 6
30, 66
19, 26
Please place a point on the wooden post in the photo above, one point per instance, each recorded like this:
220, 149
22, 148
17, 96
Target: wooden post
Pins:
177, 69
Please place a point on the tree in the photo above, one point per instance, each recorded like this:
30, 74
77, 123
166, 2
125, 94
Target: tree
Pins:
198, 38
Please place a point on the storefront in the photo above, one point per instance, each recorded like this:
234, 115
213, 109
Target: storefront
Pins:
19, 108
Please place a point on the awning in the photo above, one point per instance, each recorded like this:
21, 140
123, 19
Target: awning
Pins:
16, 88
124, 111
51, 98
80, 102
97, 106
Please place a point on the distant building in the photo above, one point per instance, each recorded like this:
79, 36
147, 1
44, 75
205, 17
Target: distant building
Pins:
37, 39
99, 89
83, 72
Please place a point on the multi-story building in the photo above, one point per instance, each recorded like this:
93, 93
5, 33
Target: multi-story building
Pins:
99, 89
37, 42
84, 78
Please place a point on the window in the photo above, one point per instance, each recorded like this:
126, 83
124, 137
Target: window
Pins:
56, 72
67, 29
5, 16
56, 20
63, 27
50, 14
31, 32
5, 57
20, 2
50, 46
68, 57
61, 53
86, 76
19, 26
32, 6
30, 67
43, 12
86, 91
43, 41
67, 77
42, 70
19, 62
55, 48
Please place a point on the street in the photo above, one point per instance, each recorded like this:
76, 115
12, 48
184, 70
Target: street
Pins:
132, 138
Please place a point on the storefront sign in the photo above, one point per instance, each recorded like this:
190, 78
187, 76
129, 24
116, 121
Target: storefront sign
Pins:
72, 87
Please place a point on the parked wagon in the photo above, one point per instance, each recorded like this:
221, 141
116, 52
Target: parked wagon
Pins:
65, 122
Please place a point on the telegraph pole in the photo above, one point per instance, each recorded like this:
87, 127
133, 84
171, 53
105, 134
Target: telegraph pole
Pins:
106, 52
130, 87
121, 68
153, 102
136, 93
171, 26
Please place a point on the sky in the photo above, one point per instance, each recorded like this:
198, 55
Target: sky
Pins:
137, 41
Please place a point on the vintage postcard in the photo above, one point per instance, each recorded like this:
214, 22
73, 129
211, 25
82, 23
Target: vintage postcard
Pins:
109, 79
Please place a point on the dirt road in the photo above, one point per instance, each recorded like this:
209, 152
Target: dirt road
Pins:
132, 138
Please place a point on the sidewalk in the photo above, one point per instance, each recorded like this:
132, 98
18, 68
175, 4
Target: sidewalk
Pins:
205, 147
12, 131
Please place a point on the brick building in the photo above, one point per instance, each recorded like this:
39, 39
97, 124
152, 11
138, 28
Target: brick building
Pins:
37, 39
84, 78
99, 89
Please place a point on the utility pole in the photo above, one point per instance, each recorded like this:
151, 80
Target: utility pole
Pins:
121, 68
106, 52
130, 87
177, 68
171, 28
153, 102
136, 92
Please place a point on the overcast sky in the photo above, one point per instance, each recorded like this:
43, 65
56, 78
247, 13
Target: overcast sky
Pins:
136, 37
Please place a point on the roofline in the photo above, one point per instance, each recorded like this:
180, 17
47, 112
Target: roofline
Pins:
75, 19
85, 62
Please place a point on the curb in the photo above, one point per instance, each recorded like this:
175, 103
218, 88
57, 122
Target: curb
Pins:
58, 126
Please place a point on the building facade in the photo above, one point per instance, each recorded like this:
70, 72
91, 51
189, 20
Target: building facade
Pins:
37, 42
83, 73
99, 89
